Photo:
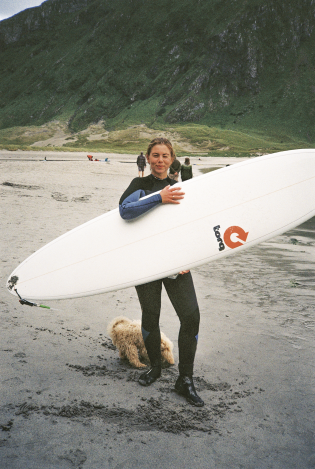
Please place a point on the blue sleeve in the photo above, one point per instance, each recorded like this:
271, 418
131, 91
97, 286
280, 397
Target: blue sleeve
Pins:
133, 206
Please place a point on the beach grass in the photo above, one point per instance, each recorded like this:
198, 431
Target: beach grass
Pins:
188, 139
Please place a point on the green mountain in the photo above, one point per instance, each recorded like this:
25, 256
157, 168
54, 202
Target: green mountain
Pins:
232, 64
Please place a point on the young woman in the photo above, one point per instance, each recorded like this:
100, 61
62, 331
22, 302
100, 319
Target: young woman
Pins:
180, 290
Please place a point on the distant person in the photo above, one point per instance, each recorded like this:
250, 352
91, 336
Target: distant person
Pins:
90, 157
174, 169
186, 170
141, 163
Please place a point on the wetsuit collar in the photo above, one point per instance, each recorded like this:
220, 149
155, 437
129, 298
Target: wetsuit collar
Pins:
159, 178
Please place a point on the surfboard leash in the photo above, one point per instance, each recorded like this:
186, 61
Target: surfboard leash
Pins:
29, 303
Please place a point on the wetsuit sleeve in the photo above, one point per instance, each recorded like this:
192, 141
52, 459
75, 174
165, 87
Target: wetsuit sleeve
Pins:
133, 206
133, 187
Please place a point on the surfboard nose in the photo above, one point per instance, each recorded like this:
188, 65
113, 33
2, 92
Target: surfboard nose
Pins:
11, 283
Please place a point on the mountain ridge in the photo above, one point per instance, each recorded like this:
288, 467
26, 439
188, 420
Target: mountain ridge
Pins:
235, 64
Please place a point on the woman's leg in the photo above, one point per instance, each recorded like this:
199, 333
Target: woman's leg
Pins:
182, 294
149, 296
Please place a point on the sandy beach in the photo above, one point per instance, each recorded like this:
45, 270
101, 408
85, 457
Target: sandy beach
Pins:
68, 401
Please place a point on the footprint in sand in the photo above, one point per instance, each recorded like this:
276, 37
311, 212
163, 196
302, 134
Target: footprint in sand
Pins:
84, 198
59, 197
77, 458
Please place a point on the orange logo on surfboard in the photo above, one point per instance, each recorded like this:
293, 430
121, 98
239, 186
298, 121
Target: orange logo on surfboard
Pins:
241, 235
239, 238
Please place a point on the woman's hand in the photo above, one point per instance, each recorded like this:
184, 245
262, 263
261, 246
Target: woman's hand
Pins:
183, 272
171, 195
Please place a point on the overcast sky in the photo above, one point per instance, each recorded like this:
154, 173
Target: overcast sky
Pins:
12, 7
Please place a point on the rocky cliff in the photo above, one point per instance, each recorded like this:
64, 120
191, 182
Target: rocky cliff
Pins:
235, 63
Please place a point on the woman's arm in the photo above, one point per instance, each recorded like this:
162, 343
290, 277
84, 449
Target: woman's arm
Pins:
133, 206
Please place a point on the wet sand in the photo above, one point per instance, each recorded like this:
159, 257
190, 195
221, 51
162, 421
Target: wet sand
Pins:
68, 401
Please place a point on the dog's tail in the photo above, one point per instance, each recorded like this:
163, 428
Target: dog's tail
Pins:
116, 322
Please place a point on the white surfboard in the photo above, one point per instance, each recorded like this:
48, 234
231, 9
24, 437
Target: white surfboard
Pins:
223, 212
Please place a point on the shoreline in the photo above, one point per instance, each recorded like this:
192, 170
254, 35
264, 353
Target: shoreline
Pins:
197, 161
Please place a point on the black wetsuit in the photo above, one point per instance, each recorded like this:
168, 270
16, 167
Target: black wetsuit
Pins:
181, 292
148, 184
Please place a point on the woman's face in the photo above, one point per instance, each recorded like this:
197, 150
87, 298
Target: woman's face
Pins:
160, 160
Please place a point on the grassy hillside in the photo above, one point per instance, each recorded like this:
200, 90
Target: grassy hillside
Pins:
224, 71
188, 139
